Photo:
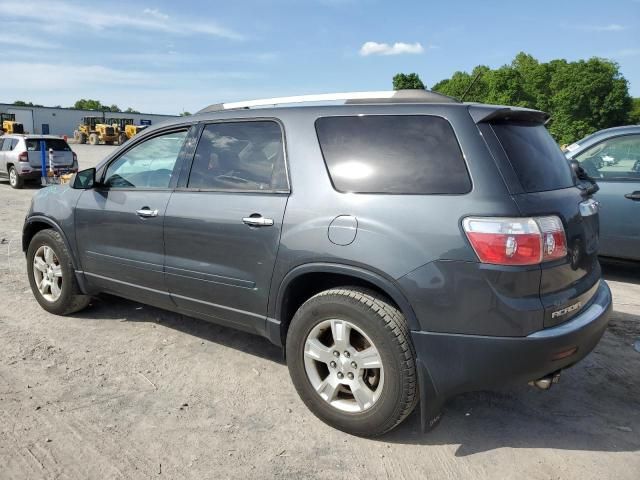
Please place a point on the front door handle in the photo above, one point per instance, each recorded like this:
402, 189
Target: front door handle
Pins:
633, 195
256, 220
146, 212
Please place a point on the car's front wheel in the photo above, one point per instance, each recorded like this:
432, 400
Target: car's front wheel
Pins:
352, 361
51, 274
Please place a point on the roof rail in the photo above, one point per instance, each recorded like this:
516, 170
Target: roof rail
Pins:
385, 96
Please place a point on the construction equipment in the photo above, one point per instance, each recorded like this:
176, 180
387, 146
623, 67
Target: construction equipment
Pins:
95, 130
9, 124
125, 128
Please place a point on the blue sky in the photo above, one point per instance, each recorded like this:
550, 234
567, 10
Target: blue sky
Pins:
166, 56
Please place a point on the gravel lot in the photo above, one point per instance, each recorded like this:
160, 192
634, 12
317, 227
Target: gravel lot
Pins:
123, 390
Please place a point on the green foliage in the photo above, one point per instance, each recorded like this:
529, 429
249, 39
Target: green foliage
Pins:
21, 103
634, 115
185, 114
407, 81
582, 96
89, 104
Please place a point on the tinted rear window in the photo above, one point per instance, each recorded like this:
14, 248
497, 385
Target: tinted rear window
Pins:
536, 158
33, 144
396, 154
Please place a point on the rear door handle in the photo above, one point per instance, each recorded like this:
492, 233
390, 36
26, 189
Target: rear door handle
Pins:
257, 221
146, 212
633, 195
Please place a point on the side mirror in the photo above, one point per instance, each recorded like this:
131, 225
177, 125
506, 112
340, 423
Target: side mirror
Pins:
84, 179
585, 183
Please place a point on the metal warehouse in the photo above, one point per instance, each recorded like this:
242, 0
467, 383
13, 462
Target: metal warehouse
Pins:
63, 121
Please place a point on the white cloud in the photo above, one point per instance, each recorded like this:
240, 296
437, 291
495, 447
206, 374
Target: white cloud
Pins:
612, 27
61, 15
26, 41
52, 77
398, 48
154, 12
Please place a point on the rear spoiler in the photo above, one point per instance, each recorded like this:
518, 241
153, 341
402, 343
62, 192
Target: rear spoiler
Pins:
490, 113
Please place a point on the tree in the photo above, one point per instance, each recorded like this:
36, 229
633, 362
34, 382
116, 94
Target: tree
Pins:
582, 96
131, 110
634, 115
185, 114
89, 104
21, 103
407, 81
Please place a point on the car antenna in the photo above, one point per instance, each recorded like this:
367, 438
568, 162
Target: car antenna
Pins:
478, 75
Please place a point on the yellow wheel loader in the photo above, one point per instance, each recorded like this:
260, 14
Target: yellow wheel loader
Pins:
95, 130
126, 128
9, 124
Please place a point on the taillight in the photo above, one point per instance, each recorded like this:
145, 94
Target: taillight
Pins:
75, 157
23, 157
516, 241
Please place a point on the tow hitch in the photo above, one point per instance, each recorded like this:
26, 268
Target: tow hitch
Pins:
545, 382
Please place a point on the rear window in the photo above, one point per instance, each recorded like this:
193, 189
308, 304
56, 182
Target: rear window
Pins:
535, 157
33, 144
393, 154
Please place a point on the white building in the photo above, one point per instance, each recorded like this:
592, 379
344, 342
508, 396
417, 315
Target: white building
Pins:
63, 121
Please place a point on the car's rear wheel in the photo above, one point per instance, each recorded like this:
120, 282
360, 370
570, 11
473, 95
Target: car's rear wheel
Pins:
51, 275
352, 361
15, 180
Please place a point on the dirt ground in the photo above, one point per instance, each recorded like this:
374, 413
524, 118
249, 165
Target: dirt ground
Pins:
125, 391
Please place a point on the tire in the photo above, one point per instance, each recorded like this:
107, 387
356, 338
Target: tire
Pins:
94, 139
70, 299
82, 138
76, 135
391, 391
15, 180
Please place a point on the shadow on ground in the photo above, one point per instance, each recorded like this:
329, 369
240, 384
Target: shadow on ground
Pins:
621, 270
107, 307
596, 406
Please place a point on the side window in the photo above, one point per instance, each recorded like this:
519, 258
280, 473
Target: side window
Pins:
147, 165
14, 142
5, 144
614, 159
393, 154
240, 156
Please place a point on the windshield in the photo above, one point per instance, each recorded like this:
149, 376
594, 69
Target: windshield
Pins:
57, 144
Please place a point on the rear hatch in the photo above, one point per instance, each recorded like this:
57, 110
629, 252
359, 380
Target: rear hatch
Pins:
543, 184
57, 150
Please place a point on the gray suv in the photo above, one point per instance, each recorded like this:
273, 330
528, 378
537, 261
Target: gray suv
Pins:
402, 247
21, 157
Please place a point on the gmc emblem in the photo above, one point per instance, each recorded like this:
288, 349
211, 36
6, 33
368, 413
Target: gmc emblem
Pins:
564, 311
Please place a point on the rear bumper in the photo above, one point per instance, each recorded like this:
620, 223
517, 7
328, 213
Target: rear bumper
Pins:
456, 363
36, 173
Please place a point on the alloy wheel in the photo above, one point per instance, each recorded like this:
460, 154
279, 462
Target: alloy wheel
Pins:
343, 365
47, 273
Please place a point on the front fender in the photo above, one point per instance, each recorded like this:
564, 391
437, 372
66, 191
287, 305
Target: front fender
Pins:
34, 223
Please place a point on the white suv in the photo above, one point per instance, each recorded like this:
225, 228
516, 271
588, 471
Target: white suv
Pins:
20, 157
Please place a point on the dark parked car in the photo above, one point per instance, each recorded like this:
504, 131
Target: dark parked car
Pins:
403, 247
612, 158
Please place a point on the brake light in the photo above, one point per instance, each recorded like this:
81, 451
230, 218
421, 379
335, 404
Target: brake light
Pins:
23, 157
75, 157
516, 241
